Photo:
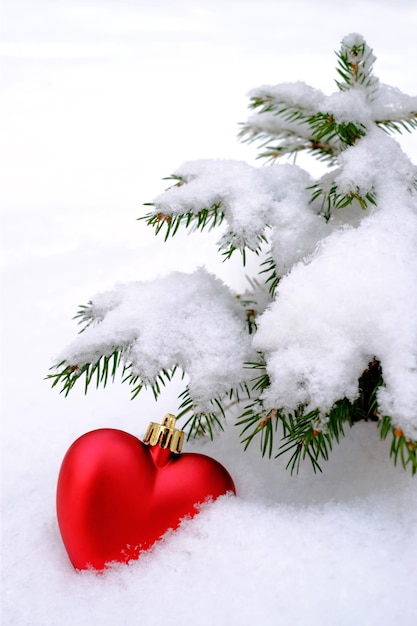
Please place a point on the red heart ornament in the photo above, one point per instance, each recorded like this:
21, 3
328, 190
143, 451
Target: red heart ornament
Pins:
116, 495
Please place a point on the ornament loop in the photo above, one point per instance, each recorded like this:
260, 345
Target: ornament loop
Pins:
165, 435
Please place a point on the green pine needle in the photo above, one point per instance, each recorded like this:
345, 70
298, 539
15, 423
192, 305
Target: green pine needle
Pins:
312, 436
198, 423
103, 371
332, 199
170, 224
399, 125
273, 278
402, 449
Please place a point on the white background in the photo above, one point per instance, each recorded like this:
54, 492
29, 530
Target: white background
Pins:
101, 100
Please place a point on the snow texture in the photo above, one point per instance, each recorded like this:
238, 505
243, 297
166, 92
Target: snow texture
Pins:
364, 104
349, 289
191, 321
353, 299
253, 200
337, 548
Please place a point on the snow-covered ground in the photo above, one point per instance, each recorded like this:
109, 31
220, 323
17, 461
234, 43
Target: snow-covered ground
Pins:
100, 100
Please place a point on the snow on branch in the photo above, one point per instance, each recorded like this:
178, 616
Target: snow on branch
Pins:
190, 321
251, 200
294, 117
328, 334
355, 299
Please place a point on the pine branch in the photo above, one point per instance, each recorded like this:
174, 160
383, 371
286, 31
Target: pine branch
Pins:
270, 270
325, 127
319, 150
258, 421
311, 435
291, 140
204, 219
399, 125
85, 315
255, 418
207, 423
198, 423
251, 314
237, 395
332, 199
288, 120
402, 449
103, 370
355, 64
280, 105
231, 242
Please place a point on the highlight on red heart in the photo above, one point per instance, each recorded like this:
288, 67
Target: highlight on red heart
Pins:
117, 495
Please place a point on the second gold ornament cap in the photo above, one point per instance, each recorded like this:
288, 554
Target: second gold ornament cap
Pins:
165, 435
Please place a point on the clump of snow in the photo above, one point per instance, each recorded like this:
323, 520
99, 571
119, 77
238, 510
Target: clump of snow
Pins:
357, 50
392, 104
297, 94
364, 107
255, 202
188, 320
238, 187
349, 106
354, 299
376, 162
282, 100
361, 101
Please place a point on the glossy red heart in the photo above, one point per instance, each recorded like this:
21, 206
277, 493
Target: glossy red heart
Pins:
116, 495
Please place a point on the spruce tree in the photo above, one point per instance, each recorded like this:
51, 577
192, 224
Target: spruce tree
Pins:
326, 332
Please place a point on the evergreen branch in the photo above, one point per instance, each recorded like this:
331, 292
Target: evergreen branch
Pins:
262, 381
206, 423
290, 142
332, 199
399, 125
300, 432
281, 107
251, 314
325, 127
311, 435
402, 448
255, 418
205, 218
199, 423
85, 315
251, 321
355, 63
322, 136
365, 407
235, 394
272, 279
258, 421
160, 381
103, 369
321, 151
232, 242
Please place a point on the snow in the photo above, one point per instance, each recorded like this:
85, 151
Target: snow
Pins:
333, 548
192, 321
249, 197
316, 350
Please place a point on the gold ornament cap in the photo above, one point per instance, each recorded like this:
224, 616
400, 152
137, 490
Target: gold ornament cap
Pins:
165, 435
